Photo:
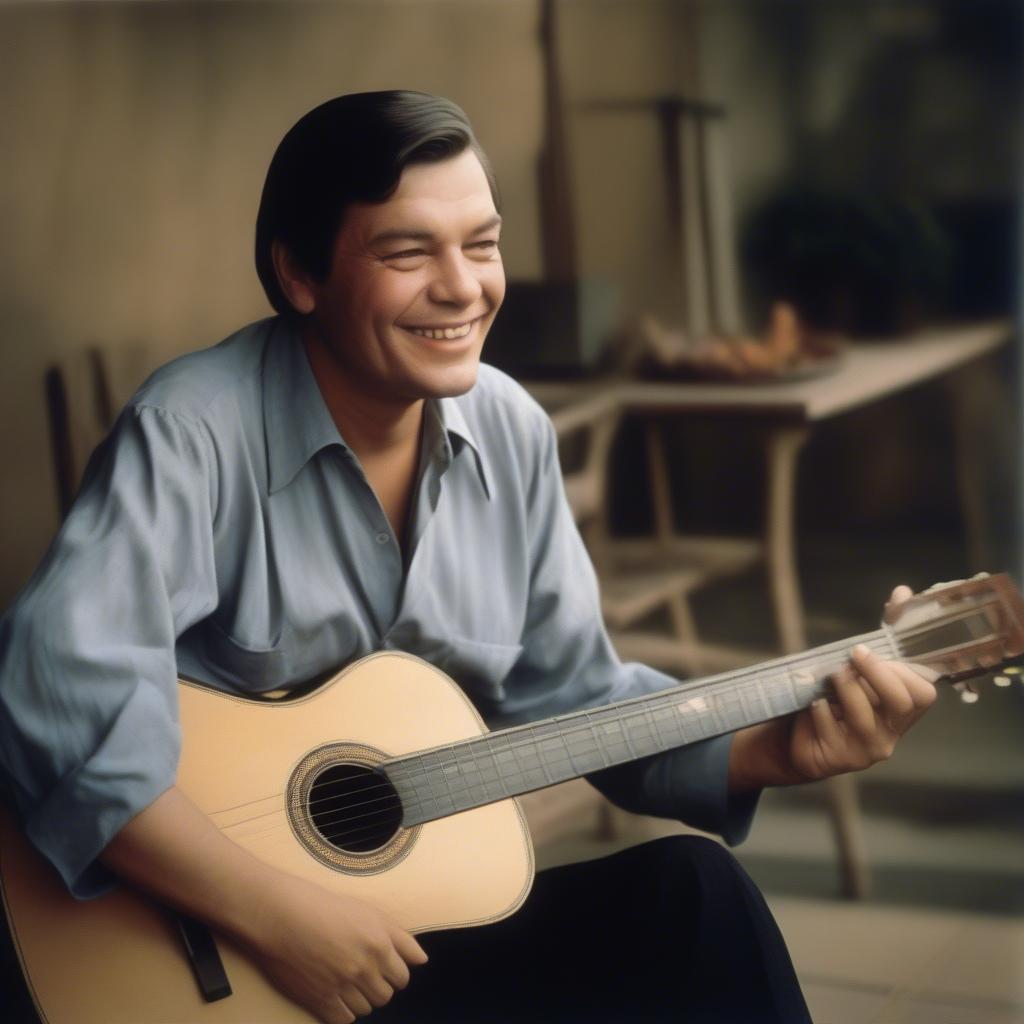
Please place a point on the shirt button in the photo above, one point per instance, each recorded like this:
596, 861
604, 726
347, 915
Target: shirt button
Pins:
382, 538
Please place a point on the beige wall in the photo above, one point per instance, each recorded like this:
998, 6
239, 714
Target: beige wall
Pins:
136, 137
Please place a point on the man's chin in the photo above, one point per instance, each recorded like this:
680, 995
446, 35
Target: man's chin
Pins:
450, 382
455, 383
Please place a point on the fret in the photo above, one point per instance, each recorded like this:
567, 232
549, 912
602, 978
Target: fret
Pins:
449, 771
714, 718
508, 766
426, 796
702, 721
534, 775
471, 772
555, 756
616, 741
746, 712
642, 738
776, 699
403, 778
657, 736
585, 747
691, 714
794, 700
489, 778
543, 763
434, 774
456, 776
730, 709
512, 755
758, 689
805, 686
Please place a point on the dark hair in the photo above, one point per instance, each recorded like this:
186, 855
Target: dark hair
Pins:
352, 149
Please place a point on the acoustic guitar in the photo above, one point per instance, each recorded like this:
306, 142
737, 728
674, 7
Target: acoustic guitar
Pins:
412, 808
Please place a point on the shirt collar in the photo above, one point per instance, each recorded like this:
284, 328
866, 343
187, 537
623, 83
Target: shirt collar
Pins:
297, 422
454, 422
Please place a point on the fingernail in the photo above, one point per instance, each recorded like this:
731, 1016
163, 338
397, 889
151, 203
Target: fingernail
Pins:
860, 651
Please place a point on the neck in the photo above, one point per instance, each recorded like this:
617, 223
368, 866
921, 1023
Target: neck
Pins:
372, 425
496, 765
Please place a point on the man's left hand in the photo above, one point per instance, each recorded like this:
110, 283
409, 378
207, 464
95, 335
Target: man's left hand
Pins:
873, 703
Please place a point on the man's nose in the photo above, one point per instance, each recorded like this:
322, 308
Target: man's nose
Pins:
455, 282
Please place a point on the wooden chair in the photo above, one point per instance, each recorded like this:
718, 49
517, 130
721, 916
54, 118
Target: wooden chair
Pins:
81, 412
639, 576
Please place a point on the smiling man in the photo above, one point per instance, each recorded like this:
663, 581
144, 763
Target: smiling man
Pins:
401, 316
346, 477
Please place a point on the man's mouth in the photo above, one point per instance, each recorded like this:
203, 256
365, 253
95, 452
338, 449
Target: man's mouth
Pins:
446, 332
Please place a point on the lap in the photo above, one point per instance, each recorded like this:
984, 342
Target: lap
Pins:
663, 931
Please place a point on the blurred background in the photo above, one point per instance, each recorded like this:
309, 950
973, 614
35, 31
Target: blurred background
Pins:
746, 201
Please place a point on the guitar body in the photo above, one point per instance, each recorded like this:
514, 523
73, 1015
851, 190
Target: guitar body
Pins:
385, 785
119, 960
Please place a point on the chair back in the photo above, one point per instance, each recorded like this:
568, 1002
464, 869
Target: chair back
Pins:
80, 411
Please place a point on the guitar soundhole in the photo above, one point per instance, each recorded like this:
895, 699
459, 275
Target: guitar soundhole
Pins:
354, 807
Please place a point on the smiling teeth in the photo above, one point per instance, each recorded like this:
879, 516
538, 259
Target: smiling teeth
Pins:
442, 333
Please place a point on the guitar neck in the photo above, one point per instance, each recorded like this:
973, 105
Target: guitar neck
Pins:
443, 781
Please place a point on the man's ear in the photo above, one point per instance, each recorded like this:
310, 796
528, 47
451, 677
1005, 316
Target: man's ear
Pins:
294, 281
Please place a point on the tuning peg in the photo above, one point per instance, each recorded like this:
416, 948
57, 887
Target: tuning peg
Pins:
967, 692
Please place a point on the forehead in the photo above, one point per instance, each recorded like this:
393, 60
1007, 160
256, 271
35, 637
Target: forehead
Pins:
448, 195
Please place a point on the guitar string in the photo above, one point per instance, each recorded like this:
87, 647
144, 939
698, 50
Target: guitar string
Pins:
566, 758
276, 830
741, 679
668, 697
587, 728
665, 697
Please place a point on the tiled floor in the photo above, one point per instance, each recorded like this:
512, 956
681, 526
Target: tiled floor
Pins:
874, 964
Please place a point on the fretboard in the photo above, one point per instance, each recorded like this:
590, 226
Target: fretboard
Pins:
508, 762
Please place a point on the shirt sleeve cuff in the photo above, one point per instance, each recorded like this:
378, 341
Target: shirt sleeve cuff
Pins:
689, 783
72, 827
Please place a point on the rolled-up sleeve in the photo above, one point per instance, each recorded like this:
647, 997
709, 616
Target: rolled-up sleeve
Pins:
568, 662
88, 697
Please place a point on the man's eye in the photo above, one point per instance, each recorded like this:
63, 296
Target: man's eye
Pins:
405, 254
487, 246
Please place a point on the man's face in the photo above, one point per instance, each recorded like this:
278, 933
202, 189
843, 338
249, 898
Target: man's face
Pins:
414, 285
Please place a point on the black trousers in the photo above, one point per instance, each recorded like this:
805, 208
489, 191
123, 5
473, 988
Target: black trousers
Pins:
673, 930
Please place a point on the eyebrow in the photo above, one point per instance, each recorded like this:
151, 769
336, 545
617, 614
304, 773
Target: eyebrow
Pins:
411, 234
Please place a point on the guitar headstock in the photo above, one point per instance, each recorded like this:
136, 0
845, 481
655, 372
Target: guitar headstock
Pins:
963, 630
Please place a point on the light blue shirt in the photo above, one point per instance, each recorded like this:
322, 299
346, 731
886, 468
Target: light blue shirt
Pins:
226, 532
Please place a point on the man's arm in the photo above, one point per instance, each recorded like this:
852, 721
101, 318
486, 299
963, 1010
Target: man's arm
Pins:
335, 955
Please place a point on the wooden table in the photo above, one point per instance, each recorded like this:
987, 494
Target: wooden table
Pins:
788, 411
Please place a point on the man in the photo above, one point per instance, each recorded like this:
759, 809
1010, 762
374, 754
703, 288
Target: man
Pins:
343, 478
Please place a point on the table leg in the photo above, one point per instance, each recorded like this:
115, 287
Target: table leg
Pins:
665, 528
661, 484
784, 445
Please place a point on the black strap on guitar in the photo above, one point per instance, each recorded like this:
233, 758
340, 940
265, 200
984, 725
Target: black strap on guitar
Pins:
204, 956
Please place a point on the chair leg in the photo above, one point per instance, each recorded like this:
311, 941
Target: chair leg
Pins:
686, 631
784, 445
844, 810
